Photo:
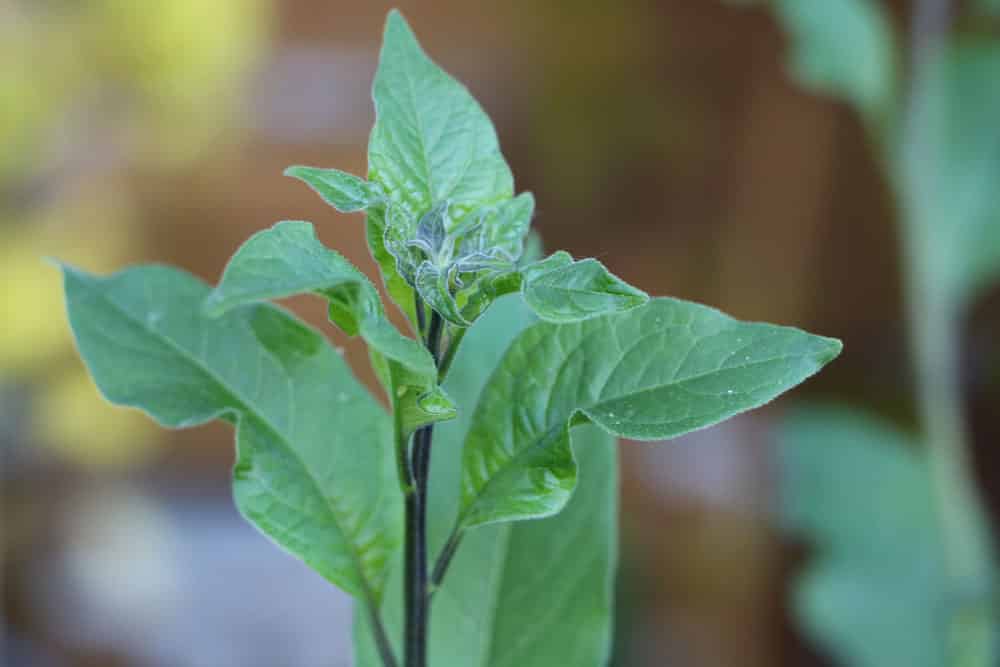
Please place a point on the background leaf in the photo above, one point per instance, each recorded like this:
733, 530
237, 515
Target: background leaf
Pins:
843, 48
877, 592
654, 372
492, 611
315, 469
948, 173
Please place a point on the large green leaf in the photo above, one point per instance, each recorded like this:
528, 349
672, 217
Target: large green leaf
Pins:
843, 48
559, 289
509, 598
654, 372
948, 171
315, 468
432, 142
877, 593
288, 259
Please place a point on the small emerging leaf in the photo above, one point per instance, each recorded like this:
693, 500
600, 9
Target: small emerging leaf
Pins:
315, 468
654, 372
345, 192
561, 290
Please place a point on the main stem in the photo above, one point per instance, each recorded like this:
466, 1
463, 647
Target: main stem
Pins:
416, 599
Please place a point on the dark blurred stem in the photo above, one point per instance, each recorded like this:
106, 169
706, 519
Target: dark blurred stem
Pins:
416, 523
934, 323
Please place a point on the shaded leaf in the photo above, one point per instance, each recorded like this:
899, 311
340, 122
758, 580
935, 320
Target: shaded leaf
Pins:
654, 372
315, 468
493, 610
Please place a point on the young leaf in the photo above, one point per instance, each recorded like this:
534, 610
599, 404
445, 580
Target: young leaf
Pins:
561, 290
478, 617
288, 259
345, 192
948, 173
432, 142
315, 468
878, 593
654, 372
843, 48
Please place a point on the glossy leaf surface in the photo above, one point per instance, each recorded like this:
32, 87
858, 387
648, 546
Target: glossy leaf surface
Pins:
654, 372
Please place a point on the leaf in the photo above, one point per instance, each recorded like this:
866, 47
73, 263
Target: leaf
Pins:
315, 469
948, 173
493, 610
559, 289
843, 48
345, 192
654, 372
288, 259
877, 593
432, 142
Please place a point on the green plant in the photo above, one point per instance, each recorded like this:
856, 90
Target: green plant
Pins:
332, 477
905, 573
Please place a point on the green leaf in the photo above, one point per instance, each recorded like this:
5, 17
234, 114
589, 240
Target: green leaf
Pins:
559, 289
877, 593
494, 609
315, 469
432, 142
654, 372
345, 192
949, 170
843, 48
288, 259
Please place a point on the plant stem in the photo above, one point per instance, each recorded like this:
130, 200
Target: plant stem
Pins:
381, 638
416, 523
449, 356
444, 560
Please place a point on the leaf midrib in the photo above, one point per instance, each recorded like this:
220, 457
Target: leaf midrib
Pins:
365, 584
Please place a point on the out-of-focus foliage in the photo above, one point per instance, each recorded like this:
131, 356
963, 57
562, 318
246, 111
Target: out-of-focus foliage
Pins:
887, 589
859, 490
160, 74
843, 48
948, 176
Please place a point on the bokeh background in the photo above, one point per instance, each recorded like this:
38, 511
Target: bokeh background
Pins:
664, 137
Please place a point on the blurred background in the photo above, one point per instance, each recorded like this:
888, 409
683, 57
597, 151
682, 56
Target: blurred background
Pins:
664, 137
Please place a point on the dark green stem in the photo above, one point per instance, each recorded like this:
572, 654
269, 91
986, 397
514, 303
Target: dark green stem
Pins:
449, 356
380, 636
444, 560
416, 524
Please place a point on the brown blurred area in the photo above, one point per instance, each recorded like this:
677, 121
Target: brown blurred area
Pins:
663, 137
